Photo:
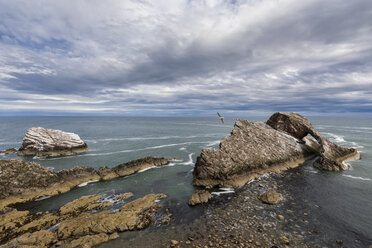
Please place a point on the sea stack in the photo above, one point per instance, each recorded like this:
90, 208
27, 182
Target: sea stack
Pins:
257, 148
51, 143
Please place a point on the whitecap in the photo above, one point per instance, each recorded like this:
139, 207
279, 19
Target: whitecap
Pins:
223, 192
50, 168
359, 178
213, 143
182, 149
149, 168
43, 198
335, 137
190, 162
86, 183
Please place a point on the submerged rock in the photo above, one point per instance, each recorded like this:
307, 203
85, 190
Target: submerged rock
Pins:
254, 149
271, 197
50, 143
200, 196
22, 181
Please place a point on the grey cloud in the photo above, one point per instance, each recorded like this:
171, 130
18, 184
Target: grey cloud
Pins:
180, 55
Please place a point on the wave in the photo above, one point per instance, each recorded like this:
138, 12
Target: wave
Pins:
182, 149
213, 143
335, 137
358, 178
149, 168
86, 183
43, 198
155, 138
223, 191
190, 162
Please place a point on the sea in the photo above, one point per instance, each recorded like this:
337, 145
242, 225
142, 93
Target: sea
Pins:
343, 196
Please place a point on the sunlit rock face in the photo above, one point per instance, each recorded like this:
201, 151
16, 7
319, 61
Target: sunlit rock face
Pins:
256, 148
49, 143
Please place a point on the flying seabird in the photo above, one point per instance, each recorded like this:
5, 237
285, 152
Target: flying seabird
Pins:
221, 118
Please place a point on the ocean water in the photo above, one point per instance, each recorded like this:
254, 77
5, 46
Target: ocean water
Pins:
342, 196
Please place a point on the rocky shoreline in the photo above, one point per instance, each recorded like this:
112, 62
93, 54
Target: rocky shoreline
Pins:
22, 181
251, 217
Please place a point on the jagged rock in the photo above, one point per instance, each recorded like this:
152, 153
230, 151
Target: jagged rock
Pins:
11, 220
200, 196
134, 215
251, 150
49, 143
22, 181
124, 196
43, 238
254, 149
91, 240
9, 151
271, 197
83, 204
331, 155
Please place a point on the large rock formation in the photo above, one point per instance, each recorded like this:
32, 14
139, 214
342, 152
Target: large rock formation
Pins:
50, 143
331, 155
254, 149
22, 181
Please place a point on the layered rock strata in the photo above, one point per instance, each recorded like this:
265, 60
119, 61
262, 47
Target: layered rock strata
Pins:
22, 181
50, 143
331, 155
256, 148
77, 225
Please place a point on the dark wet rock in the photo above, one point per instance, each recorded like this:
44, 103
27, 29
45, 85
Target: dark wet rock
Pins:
271, 197
50, 143
22, 181
254, 149
9, 151
199, 197
331, 155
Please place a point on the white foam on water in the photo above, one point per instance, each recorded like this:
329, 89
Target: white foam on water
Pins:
336, 138
182, 149
149, 168
50, 168
190, 162
170, 164
358, 178
356, 145
86, 183
43, 198
157, 200
142, 149
223, 192
213, 143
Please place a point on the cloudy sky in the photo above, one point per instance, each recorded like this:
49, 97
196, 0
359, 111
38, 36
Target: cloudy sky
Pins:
185, 57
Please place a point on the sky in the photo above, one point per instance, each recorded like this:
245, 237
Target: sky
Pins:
185, 57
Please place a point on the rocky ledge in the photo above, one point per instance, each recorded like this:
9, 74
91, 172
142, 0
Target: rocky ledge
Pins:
254, 149
51, 143
22, 181
77, 225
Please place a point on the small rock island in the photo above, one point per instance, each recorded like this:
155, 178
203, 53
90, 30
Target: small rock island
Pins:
43, 142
